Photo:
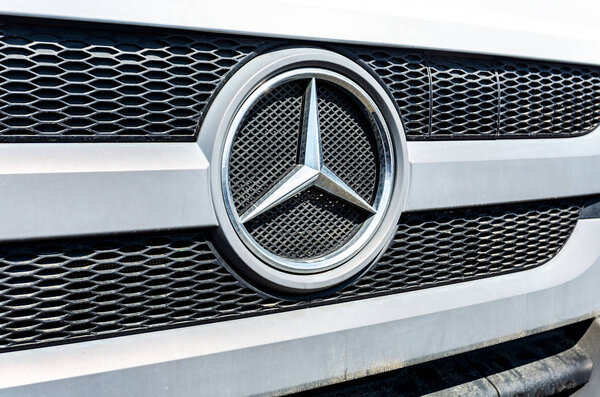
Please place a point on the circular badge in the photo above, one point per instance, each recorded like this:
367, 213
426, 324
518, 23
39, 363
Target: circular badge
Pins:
309, 164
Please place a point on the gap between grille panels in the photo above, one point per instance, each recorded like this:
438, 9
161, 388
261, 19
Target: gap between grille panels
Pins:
73, 289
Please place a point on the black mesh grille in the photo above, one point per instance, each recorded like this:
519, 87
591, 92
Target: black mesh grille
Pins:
76, 288
311, 224
58, 83
406, 75
454, 97
349, 148
253, 165
308, 225
548, 99
464, 98
430, 248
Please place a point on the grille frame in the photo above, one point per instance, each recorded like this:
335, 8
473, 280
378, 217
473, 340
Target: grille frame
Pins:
234, 297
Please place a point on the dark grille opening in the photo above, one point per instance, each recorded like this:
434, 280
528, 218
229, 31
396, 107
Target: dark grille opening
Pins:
70, 289
456, 97
547, 99
464, 98
63, 81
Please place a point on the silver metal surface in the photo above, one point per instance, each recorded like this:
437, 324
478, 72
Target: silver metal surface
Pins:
53, 190
86, 188
462, 174
310, 153
330, 183
311, 171
298, 179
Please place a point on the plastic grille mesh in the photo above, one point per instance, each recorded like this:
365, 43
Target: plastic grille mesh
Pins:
464, 98
407, 77
64, 81
60, 83
312, 223
548, 99
266, 147
349, 149
431, 248
456, 97
69, 289
308, 225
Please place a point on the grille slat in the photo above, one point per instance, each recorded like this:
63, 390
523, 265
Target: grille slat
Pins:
70, 289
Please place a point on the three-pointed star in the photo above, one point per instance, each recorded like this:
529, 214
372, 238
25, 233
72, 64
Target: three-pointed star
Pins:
310, 170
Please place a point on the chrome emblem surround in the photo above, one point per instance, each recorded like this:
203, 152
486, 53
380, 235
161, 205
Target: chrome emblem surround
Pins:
311, 171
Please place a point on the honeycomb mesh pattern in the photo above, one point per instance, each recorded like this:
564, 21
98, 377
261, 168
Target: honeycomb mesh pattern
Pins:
59, 83
64, 81
464, 98
406, 76
69, 289
453, 97
431, 248
311, 224
548, 99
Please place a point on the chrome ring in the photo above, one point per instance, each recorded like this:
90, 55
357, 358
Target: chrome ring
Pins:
384, 188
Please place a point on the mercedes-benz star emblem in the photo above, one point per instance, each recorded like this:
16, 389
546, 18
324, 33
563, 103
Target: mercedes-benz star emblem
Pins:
310, 170
307, 177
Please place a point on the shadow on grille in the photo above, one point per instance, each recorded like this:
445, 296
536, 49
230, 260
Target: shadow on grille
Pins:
79, 288
60, 82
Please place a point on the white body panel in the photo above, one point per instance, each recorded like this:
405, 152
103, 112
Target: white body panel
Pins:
531, 29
